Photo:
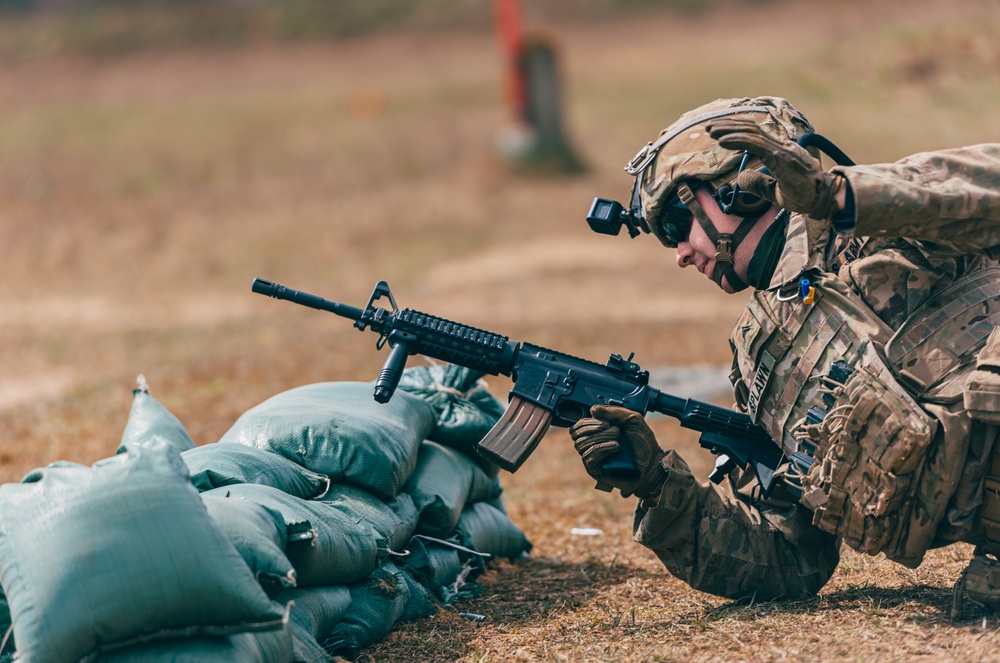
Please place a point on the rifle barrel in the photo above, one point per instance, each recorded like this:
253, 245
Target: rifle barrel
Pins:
278, 291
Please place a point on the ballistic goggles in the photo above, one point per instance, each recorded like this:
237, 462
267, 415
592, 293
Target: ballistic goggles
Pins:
673, 222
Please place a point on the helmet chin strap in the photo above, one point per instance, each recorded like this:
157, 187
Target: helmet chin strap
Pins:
725, 243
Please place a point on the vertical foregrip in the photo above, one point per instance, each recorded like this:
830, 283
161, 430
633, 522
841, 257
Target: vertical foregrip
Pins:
392, 370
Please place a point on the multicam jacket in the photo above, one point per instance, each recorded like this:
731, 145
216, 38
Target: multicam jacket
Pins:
865, 360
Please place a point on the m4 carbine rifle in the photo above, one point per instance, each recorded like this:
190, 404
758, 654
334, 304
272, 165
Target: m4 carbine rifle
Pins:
550, 388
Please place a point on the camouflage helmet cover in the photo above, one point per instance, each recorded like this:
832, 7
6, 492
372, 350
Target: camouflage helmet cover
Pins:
685, 151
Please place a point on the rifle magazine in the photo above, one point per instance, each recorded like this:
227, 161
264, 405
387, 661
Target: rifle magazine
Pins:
516, 434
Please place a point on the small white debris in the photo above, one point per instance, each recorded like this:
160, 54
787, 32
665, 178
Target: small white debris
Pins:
585, 531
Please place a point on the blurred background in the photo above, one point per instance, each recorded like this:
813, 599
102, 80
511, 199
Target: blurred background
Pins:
157, 156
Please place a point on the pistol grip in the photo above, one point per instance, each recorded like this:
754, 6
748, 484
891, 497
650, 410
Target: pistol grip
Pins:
621, 464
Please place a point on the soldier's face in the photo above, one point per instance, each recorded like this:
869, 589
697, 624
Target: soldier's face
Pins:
699, 251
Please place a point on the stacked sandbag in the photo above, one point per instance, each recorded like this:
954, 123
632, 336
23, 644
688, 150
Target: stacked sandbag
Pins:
335, 549
337, 429
394, 522
149, 420
270, 647
315, 613
217, 465
485, 527
344, 514
447, 567
390, 594
95, 560
465, 408
443, 482
258, 535
419, 542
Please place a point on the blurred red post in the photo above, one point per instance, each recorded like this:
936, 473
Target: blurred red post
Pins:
508, 16
533, 90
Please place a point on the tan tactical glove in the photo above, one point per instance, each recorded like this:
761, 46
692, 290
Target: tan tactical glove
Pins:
598, 437
796, 181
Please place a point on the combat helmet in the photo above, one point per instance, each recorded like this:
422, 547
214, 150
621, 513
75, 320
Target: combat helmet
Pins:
684, 155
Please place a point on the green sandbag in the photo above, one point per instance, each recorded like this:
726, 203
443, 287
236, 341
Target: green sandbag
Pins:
315, 611
442, 483
120, 554
433, 566
338, 429
337, 550
256, 535
216, 465
465, 409
389, 595
487, 529
5, 622
445, 567
305, 647
394, 521
267, 647
148, 419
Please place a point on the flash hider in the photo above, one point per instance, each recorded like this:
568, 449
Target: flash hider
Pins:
608, 216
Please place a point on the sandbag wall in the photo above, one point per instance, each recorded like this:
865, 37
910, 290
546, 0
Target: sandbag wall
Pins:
316, 523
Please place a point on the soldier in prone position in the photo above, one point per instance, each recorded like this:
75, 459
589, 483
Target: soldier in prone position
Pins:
868, 350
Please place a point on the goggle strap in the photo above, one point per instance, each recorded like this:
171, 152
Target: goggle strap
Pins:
741, 231
687, 197
685, 194
725, 243
735, 282
724, 249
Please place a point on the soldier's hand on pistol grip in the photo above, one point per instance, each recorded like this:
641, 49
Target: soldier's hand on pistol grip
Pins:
796, 179
600, 435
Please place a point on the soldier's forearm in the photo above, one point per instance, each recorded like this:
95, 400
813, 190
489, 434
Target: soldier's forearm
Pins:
723, 546
930, 196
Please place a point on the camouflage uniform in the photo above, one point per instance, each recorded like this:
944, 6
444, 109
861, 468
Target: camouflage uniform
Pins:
876, 378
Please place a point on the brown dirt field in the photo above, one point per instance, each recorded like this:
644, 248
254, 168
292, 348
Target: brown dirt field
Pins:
141, 195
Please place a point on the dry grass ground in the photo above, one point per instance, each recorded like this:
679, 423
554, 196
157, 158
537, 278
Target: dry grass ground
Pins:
140, 195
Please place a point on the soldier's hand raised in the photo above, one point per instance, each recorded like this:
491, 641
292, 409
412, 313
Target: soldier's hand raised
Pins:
796, 179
